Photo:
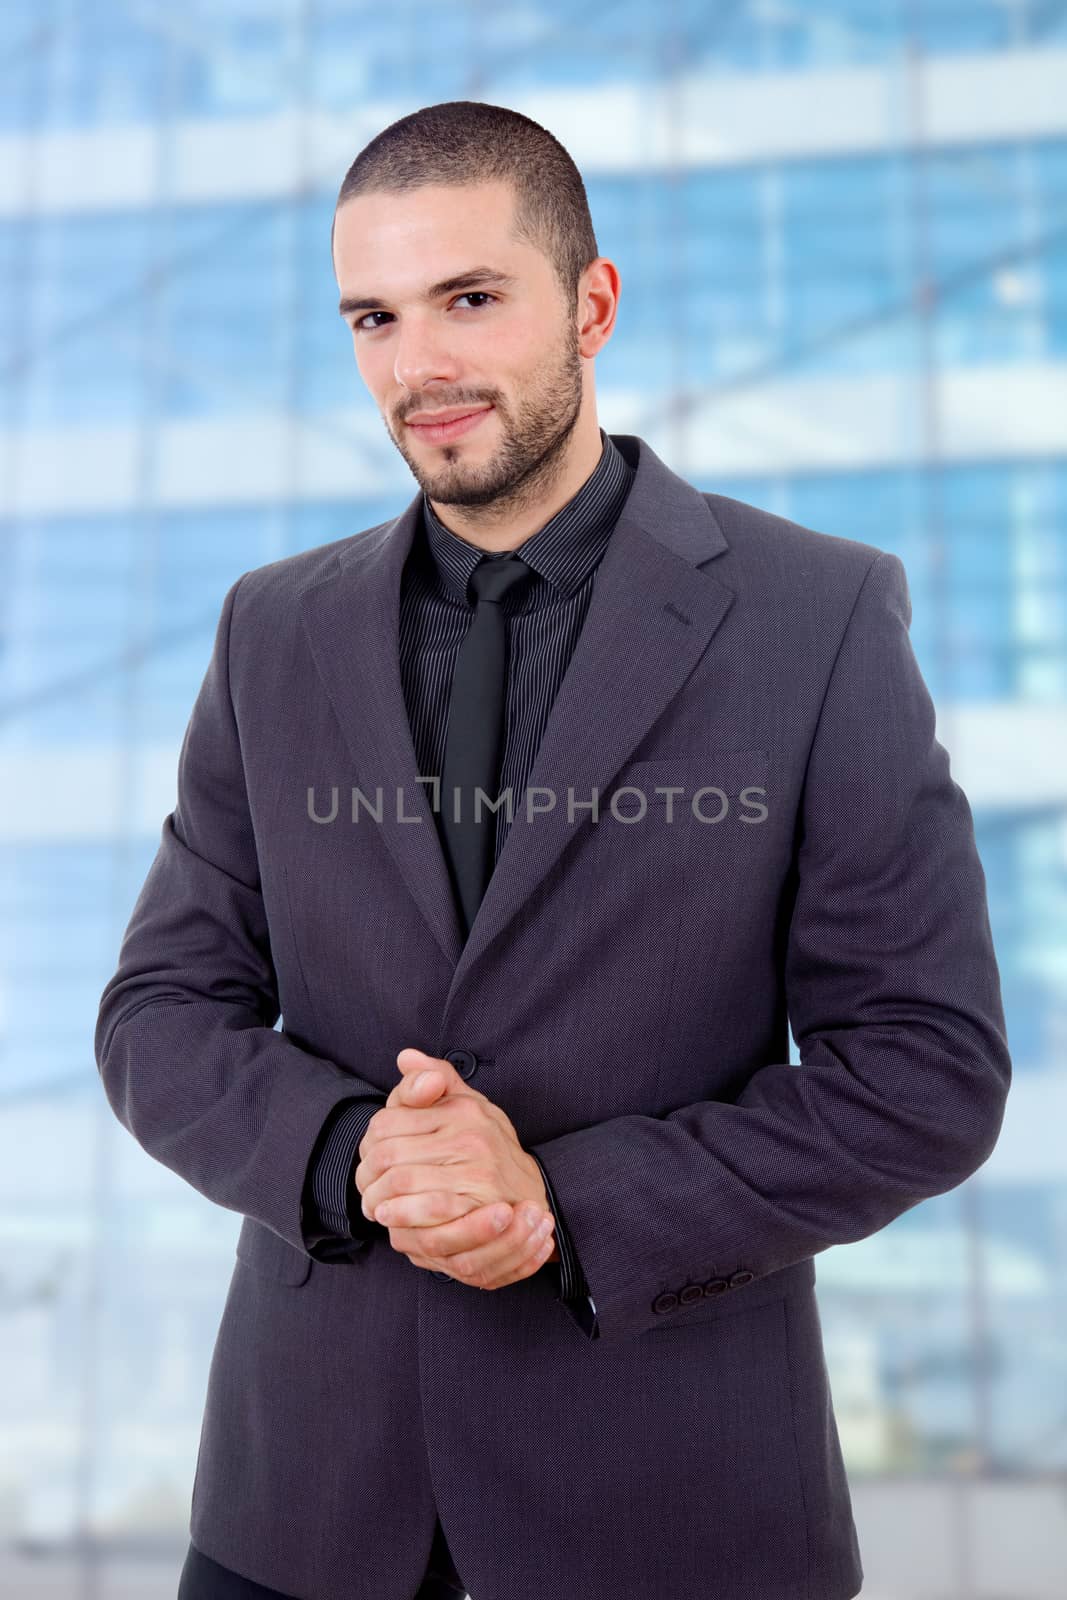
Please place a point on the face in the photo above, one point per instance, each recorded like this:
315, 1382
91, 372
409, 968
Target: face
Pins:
507, 349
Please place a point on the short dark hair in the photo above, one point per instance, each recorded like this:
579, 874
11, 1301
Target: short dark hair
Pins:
466, 141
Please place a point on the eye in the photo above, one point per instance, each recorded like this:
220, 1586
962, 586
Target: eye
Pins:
470, 294
357, 327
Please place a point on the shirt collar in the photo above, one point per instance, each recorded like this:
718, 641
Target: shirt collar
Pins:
564, 551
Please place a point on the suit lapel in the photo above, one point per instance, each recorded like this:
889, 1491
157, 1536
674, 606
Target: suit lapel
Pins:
352, 621
652, 614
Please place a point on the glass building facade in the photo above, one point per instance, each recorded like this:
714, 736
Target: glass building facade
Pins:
841, 230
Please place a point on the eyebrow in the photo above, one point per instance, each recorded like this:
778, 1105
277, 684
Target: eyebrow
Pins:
462, 280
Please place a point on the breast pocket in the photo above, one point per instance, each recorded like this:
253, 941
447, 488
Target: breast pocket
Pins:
705, 789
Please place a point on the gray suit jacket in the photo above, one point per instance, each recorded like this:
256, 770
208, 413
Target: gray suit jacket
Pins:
625, 996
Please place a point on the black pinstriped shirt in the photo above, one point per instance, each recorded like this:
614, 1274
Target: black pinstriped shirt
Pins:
543, 623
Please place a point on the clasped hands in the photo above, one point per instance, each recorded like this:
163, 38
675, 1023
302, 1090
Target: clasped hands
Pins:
442, 1167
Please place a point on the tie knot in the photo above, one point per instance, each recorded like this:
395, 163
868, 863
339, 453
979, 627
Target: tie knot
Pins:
493, 578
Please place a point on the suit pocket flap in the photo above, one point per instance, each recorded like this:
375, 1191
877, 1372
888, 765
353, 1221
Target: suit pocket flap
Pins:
265, 1251
728, 770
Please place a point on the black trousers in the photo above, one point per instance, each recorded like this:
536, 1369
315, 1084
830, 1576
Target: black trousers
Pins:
204, 1579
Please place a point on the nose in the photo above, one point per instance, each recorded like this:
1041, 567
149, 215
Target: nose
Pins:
422, 357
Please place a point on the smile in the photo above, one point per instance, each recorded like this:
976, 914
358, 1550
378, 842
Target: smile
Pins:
438, 432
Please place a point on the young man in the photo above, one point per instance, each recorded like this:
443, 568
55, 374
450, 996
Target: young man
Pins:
541, 1005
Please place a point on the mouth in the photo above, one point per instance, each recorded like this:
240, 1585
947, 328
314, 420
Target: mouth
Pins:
438, 432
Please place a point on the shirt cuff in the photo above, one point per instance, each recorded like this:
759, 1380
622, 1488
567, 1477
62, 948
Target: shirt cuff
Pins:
332, 1171
571, 1277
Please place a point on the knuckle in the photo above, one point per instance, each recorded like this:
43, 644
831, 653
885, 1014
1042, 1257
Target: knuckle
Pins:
435, 1246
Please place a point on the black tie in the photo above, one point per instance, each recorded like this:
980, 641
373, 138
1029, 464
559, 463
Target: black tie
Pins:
475, 732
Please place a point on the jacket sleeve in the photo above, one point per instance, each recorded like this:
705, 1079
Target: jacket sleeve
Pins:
185, 1041
894, 1000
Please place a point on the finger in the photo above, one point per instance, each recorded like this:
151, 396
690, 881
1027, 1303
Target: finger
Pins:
527, 1260
428, 1228
498, 1258
412, 1063
382, 1156
528, 1247
400, 1121
427, 1212
486, 1268
438, 1224
420, 1089
422, 1074
408, 1091
415, 1197
442, 1210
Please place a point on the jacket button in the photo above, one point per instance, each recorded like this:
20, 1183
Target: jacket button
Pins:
442, 1276
742, 1277
715, 1286
464, 1061
691, 1292
664, 1302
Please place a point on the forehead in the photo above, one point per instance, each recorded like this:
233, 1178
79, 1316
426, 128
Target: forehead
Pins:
423, 234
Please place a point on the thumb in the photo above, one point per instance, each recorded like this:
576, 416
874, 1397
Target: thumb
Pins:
425, 1077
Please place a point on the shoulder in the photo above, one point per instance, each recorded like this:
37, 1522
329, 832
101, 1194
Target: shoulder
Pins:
781, 560
269, 594
761, 536
302, 570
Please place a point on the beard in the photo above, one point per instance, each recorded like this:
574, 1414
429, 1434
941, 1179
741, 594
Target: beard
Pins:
531, 451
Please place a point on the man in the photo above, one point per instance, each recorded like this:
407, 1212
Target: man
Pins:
577, 1012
